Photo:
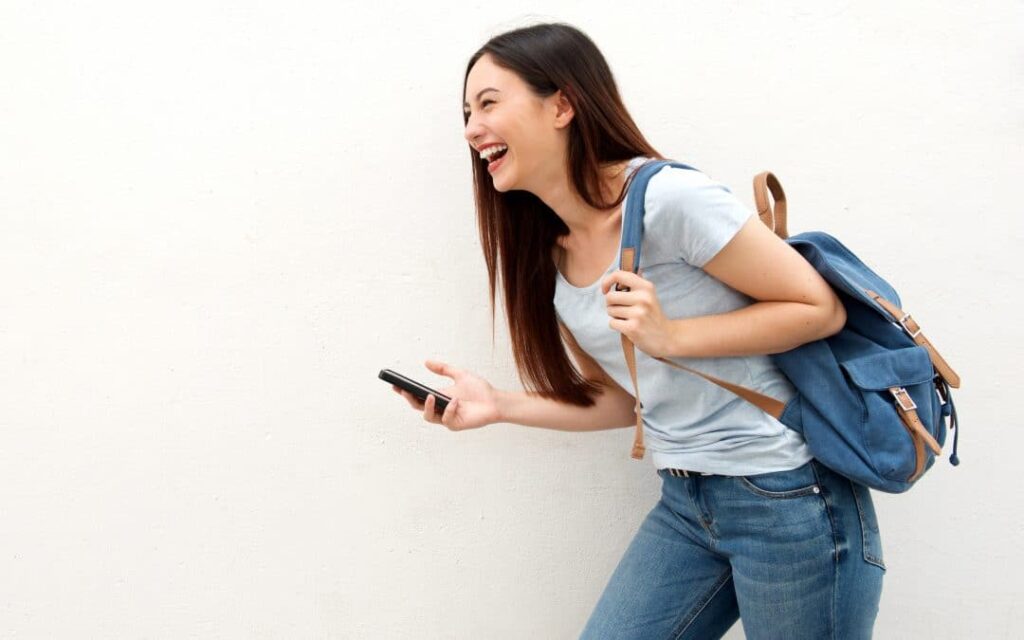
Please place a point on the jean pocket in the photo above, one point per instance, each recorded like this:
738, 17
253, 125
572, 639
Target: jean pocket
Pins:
794, 483
871, 537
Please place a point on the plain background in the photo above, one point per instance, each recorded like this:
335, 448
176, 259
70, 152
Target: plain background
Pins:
220, 220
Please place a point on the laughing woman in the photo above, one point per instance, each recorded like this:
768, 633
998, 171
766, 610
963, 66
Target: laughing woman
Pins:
748, 526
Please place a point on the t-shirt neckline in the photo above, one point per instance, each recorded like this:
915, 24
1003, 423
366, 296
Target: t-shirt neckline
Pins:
633, 164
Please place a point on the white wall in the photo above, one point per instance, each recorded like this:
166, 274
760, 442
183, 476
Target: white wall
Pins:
220, 220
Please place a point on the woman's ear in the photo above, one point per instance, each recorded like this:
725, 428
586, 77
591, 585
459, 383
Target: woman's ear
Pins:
563, 109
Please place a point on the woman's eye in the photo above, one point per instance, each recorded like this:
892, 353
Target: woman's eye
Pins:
482, 106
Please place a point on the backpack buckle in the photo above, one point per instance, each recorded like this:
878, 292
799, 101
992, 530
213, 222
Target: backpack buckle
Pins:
903, 323
900, 394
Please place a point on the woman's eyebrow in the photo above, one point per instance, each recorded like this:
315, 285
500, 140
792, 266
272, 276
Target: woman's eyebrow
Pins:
480, 93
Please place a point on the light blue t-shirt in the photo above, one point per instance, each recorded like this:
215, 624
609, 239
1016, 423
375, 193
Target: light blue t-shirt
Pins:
689, 422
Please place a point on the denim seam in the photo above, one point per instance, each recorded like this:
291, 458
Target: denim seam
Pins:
708, 544
700, 517
825, 495
702, 605
870, 557
792, 493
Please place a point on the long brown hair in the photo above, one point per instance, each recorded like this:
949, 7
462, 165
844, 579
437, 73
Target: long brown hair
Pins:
517, 229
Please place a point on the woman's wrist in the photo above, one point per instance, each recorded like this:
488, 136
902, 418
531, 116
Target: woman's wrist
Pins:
678, 344
514, 407
502, 400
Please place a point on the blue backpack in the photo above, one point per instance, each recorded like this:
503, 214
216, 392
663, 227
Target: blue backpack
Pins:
872, 399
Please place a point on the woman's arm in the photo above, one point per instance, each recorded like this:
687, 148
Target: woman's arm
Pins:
612, 409
794, 305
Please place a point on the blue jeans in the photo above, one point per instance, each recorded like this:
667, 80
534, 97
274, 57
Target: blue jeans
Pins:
794, 554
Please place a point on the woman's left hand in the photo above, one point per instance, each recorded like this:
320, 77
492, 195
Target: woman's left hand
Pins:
637, 312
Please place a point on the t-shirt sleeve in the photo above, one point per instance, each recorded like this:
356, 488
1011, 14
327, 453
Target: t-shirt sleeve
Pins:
689, 216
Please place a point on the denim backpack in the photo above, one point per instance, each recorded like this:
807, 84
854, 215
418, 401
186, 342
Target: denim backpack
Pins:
872, 399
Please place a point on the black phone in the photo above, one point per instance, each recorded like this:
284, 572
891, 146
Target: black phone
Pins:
415, 388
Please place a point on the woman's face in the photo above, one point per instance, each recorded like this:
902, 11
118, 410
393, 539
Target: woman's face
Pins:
502, 109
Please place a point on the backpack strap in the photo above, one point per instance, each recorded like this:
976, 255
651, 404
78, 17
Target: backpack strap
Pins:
918, 434
773, 217
914, 331
632, 232
626, 264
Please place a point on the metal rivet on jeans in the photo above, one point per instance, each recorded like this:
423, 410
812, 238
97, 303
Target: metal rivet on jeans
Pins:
817, 490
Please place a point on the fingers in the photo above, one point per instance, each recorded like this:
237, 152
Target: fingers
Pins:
447, 419
619, 313
428, 407
620, 298
442, 368
622, 280
413, 401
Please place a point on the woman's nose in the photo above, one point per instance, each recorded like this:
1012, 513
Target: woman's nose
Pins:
473, 131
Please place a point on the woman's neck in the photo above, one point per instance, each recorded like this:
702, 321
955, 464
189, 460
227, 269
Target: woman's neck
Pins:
584, 221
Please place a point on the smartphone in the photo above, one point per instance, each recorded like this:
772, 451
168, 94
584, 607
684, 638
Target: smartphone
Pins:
415, 388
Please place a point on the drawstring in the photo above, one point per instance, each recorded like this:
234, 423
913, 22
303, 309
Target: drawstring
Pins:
954, 424
948, 409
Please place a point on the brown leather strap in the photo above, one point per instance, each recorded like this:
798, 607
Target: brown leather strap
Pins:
769, 405
908, 412
773, 218
906, 409
638, 448
626, 264
914, 331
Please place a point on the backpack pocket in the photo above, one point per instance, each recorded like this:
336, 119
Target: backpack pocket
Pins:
895, 451
890, 368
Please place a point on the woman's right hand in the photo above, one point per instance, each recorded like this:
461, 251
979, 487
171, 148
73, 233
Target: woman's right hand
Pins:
474, 401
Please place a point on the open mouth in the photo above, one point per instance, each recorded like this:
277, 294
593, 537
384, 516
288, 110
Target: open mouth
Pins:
494, 161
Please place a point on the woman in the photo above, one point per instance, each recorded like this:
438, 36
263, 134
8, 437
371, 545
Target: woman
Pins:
748, 525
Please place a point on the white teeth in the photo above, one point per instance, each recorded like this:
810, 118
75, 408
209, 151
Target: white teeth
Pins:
490, 151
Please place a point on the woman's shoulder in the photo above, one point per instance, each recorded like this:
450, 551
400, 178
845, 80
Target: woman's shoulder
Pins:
673, 184
689, 214
680, 181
